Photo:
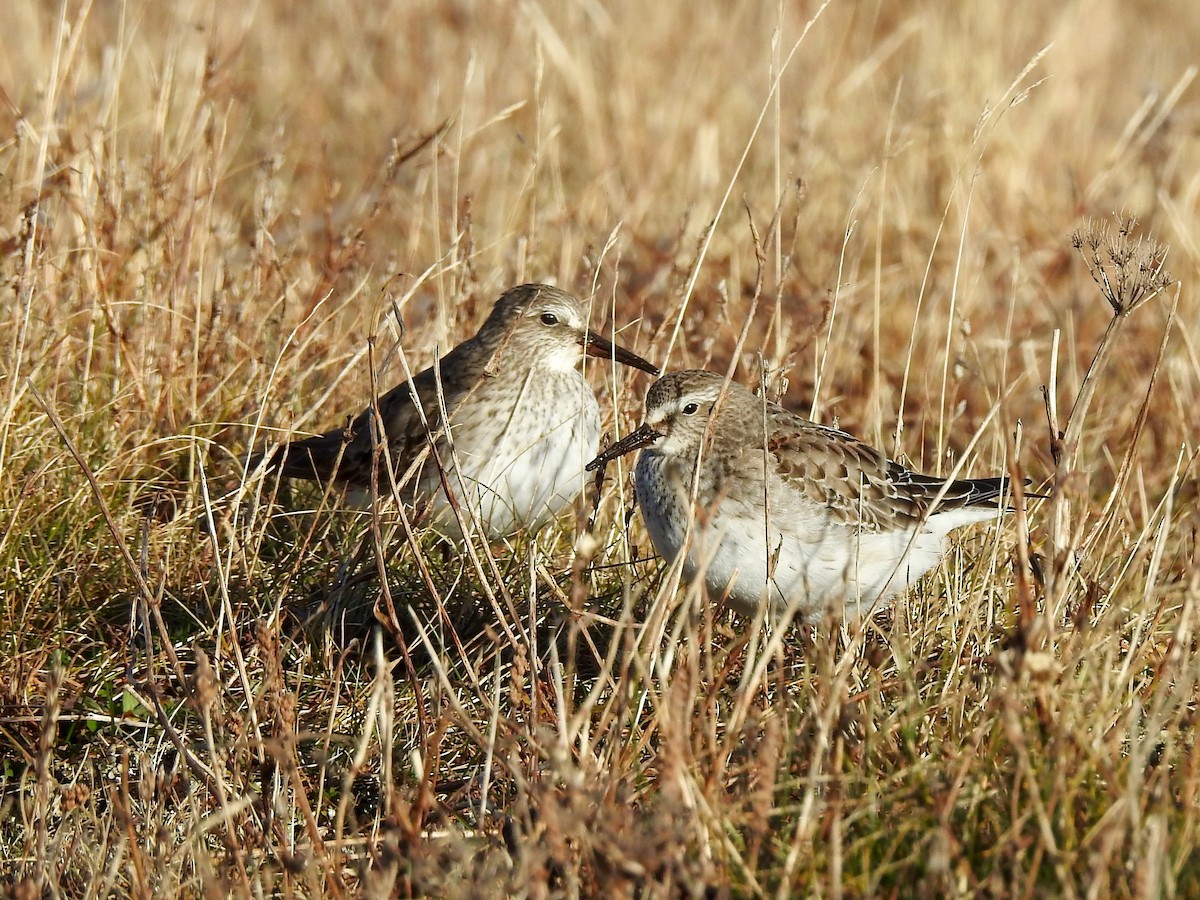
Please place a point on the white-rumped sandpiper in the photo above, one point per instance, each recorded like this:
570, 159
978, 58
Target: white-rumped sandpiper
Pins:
774, 508
522, 423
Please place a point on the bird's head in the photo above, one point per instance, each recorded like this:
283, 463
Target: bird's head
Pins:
545, 326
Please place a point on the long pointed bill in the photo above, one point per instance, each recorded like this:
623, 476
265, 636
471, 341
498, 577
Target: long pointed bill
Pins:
643, 437
594, 345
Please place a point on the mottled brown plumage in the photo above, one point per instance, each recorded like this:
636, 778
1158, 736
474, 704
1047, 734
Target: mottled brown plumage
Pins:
522, 421
786, 511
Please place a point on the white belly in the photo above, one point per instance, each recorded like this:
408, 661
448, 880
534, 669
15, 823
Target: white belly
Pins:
524, 470
812, 564
842, 570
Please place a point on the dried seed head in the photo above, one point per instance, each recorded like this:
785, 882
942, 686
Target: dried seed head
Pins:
203, 685
1130, 271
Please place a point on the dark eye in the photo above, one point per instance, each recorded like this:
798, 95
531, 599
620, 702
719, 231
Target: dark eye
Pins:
549, 319
691, 409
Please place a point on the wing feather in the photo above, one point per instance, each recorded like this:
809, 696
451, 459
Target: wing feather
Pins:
860, 486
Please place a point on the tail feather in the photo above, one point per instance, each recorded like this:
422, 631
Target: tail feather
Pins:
983, 490
966, 491
319, 458
977, 491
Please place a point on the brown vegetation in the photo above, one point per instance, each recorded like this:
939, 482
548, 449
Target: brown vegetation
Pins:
210, 217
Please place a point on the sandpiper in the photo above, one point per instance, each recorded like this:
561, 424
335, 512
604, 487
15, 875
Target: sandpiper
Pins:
776, 509
522, 423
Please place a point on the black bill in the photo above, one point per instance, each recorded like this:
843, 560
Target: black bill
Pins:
594, 345
643, 437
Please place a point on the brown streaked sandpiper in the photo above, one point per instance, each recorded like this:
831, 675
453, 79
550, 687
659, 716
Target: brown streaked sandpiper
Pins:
522, 423
786, 511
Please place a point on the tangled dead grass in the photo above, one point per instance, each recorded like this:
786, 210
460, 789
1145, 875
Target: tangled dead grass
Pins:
209, 220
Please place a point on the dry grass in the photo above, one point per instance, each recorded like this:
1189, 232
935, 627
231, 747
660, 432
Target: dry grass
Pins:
207, 216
